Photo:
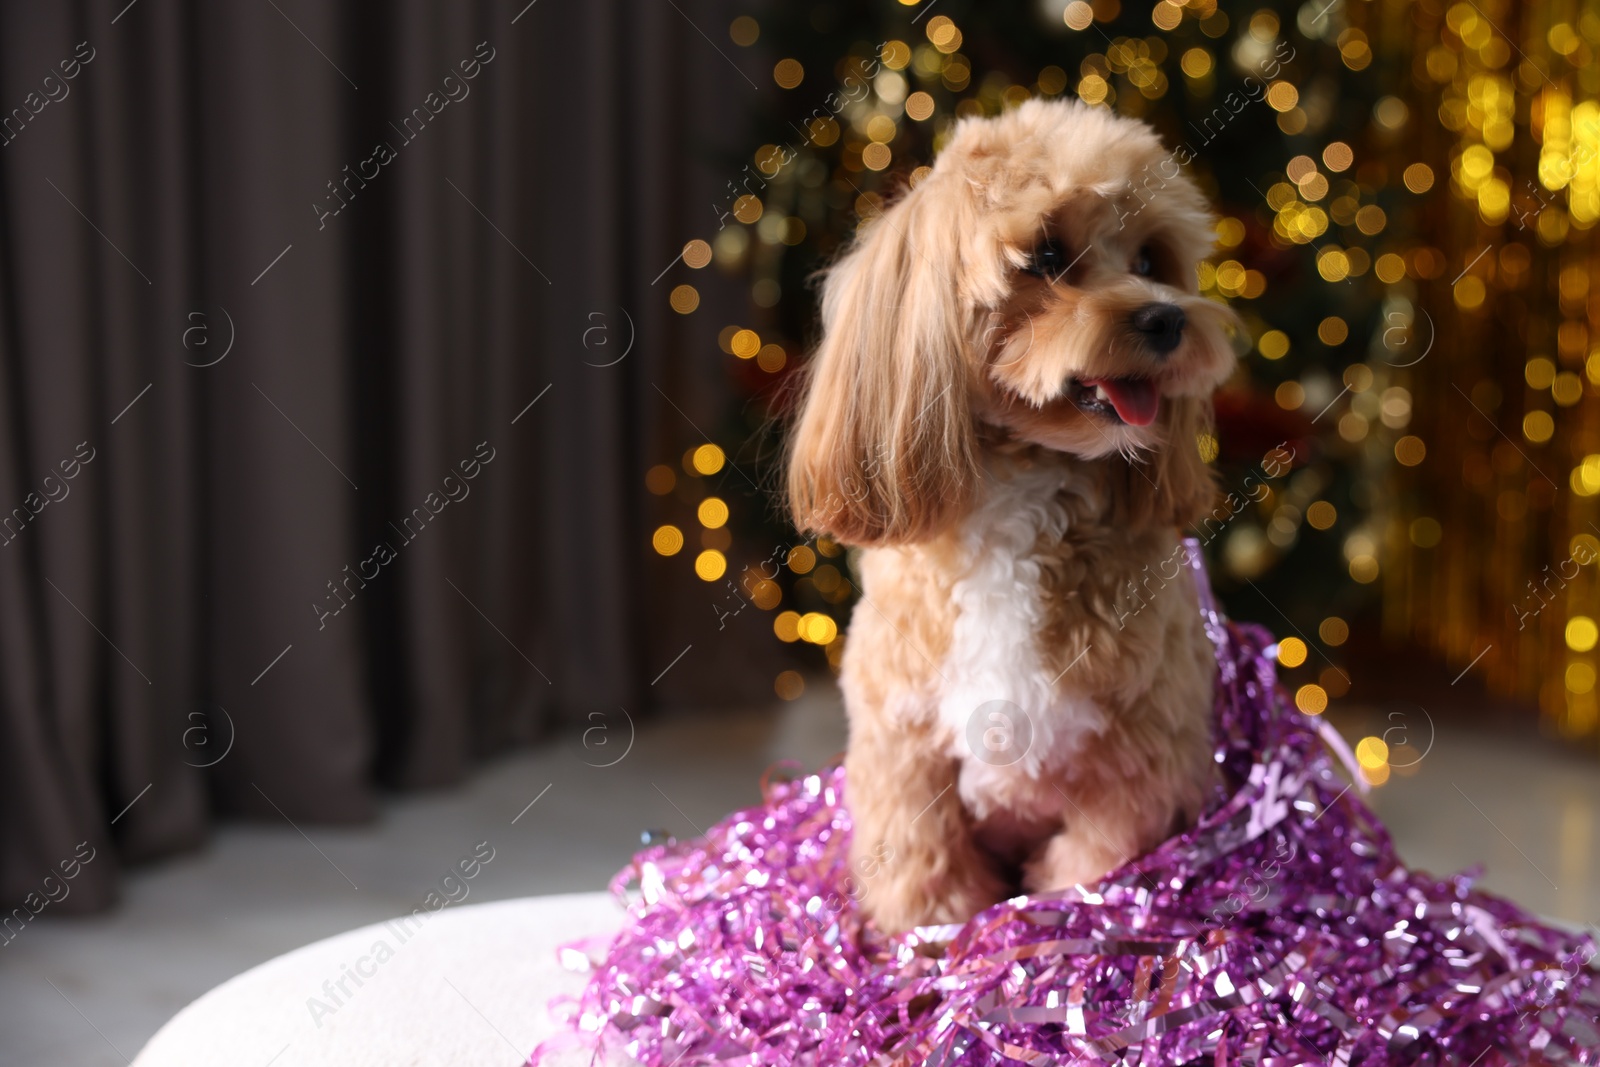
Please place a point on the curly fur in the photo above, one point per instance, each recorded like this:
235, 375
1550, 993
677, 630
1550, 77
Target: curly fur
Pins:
1018, 547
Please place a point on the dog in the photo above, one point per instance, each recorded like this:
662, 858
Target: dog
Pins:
1005, 416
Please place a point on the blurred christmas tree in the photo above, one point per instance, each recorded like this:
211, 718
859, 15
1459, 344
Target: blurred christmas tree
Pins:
1326, 134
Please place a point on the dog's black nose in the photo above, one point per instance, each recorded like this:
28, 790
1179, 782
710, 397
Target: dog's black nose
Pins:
1161, 325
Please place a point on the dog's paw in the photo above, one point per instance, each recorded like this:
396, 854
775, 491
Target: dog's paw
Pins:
896, 904
1067, 860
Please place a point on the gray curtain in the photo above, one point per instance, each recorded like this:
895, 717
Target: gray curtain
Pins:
281, 526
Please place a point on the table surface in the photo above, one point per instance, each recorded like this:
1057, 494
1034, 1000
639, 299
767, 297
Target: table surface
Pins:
466, 986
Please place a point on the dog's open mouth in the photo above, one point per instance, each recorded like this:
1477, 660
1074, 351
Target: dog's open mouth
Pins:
1134, 401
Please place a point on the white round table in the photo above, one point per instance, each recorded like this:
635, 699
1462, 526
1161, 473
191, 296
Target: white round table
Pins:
468, 986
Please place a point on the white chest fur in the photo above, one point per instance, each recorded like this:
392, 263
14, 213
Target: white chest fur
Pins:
1008, 712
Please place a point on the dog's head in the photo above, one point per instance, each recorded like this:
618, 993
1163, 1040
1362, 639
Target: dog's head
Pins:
1038, 285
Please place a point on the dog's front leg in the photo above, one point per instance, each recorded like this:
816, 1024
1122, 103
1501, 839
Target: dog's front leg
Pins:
913, 856
1102, 830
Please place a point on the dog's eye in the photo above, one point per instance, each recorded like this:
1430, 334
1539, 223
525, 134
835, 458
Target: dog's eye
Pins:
1143, 265
1047, 260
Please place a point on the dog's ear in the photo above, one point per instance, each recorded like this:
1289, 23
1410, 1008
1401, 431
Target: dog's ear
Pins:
1175, 485
884, 449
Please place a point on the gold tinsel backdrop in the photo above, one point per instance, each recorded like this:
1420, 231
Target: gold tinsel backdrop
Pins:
1503, 266
1408, 193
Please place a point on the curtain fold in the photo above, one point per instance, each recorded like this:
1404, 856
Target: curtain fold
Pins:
303, 295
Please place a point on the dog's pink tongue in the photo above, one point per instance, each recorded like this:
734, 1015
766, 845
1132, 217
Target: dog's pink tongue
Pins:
1135, 399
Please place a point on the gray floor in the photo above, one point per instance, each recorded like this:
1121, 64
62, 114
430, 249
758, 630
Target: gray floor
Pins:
1528, 811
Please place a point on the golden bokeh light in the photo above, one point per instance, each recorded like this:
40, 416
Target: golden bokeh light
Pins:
744, 31
660, 479
789, 685
667, 540
769, 159
1092, 88
1418, 178
1538, 426
824, 131
1274, 344
1334, 631
943, 34
827, 579
1282, 96
1425, 532
1585, 478
1352, 426
745, 344
1263, 25
712, 512
788, 73
747, 208
697, 253
708, 459
1391, 112
817, 628
786, 625
1052, 81
766, 594
771, 358
1196, 63
684, 299
1291, 652
1166, 15
1581, 633
1539, 372
1311, 699
1580, 678
710, 565
881, 128
1364, 569
1230, 277
1356, 52
1333, 265
1404, 759
1469, 292
1567, 389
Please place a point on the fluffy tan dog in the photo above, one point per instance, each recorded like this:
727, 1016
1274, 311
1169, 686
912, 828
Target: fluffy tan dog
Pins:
1004, 412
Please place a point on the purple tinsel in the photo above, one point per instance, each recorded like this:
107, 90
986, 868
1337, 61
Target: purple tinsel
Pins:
1280, 930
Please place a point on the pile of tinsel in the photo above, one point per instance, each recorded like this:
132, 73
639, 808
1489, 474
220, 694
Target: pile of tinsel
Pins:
1281, 930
